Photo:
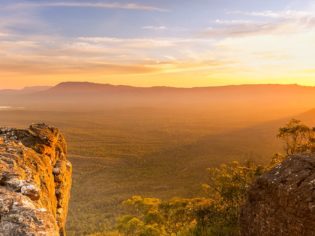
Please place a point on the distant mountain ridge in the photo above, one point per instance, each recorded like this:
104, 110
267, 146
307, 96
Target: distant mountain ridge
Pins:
85, 96
203, 93
90, 86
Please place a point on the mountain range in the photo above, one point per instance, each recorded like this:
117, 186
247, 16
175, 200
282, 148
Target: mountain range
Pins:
280, 100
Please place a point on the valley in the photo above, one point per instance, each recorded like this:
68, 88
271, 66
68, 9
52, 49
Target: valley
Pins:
153, 151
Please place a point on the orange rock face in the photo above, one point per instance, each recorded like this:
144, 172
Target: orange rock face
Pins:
35, 181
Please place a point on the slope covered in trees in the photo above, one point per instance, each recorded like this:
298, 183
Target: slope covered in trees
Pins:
217, 212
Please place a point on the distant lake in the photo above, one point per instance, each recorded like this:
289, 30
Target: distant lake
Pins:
5, 108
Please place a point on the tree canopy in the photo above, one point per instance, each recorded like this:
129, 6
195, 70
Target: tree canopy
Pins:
217, 212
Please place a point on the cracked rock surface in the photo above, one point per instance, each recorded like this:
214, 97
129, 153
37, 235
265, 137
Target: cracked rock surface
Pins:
282, 201
35, 181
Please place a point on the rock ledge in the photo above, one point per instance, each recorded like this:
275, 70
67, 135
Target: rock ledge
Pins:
35, 181
282, 201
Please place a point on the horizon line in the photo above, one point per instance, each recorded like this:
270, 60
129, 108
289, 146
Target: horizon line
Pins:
157, 86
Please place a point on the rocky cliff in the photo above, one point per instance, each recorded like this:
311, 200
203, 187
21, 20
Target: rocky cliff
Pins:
35, 181
282, 201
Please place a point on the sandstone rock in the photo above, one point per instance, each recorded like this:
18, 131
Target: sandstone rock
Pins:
282, 201
35, 181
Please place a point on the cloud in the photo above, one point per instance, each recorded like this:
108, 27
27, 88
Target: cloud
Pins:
288, 14
155, 28
263, 23
113, 5
254, 46
156, 43
232, 22
249, 29
42, 67
303, 18
3, 34
99, 54
136, 43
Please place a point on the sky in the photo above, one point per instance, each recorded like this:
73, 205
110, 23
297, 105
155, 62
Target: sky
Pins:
182, 43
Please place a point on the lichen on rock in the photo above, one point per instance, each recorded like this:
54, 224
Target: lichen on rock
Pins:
282, 201
35, 181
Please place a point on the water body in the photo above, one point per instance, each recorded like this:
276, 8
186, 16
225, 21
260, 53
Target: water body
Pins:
7, 108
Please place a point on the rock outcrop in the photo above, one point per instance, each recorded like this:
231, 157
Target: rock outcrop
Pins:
282, 201
35, 181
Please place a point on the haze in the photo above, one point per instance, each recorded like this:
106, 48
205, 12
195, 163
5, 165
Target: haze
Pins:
156, 142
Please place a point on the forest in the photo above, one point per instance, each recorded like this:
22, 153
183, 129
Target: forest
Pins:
165, 153
217, 212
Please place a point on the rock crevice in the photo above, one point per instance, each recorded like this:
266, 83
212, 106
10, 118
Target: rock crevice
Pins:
35, 181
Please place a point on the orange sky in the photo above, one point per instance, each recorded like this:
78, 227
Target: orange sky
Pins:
40, 45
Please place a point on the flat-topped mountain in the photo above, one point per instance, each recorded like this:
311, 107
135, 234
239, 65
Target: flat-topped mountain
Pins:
241, 90
87, 87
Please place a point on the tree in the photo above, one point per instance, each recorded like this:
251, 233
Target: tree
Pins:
151, 216
227, 187
226, 190
217, 214
297, 137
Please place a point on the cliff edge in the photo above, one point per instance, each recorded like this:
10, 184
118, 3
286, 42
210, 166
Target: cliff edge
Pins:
35, 181
282, 201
